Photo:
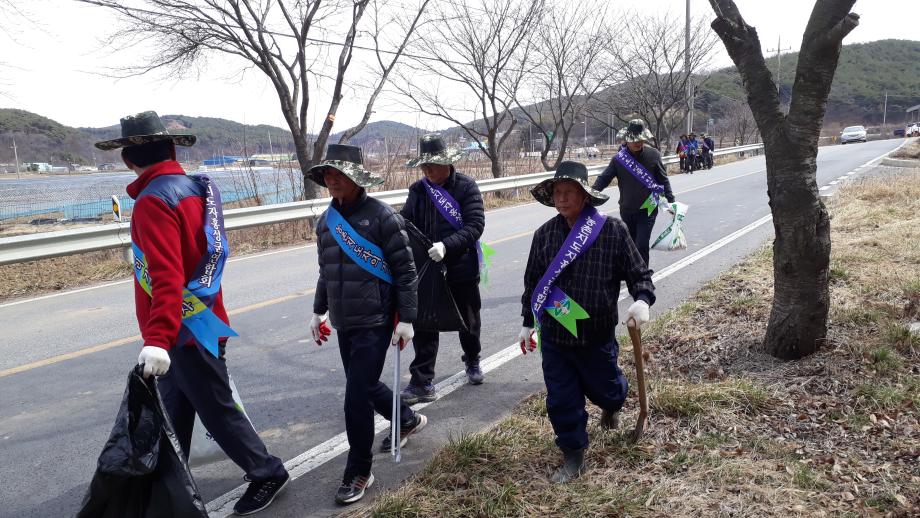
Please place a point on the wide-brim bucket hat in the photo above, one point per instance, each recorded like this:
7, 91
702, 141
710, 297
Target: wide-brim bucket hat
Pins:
433, 150
143, 128
635, 131
574, 171
348, 160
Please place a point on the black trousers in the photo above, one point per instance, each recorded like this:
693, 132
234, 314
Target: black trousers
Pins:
426, 342
640, 226
364, 352
198, 382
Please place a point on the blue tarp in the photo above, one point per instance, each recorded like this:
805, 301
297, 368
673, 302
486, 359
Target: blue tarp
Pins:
222, 160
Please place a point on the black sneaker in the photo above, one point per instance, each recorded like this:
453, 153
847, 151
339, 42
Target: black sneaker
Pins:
353, 490
260, 494
413, 394
404, 432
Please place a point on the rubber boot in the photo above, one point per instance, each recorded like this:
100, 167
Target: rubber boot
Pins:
572, 466
610, 420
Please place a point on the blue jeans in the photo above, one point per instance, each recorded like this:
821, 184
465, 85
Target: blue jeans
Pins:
573, 373
364, 352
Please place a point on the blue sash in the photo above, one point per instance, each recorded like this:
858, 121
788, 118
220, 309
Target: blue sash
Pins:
198, 297
365, 254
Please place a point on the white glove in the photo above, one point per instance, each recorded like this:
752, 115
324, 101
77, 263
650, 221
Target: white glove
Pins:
318, 331
526, 340
154, 359
638, 312
437, 252
667, 206
402, 334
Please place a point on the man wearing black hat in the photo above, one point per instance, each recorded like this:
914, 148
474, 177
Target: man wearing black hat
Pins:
180, 247
571, 287
642, 180
447, 207
367, 286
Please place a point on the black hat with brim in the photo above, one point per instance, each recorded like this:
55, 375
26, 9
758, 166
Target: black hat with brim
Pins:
432, 150
574, 171
143, 128
348, 160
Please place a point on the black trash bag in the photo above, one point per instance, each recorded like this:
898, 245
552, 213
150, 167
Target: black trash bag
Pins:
141, 471
437, 309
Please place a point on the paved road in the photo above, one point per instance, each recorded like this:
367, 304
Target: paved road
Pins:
56, 411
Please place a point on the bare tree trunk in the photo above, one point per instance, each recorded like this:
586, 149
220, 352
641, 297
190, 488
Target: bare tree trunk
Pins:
801, 250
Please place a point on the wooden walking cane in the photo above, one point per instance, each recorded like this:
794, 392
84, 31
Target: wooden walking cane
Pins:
635, 335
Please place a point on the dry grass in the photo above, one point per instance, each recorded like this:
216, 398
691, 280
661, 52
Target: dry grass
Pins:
735, 432
911, 150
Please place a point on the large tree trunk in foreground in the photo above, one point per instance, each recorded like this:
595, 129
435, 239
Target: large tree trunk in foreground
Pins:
801, 250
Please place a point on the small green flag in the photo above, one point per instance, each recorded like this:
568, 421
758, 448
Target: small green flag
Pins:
567, 312
649, 204
485, 262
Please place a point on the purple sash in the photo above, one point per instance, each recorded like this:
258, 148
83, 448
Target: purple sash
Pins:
580, 238
450, 209
625, 158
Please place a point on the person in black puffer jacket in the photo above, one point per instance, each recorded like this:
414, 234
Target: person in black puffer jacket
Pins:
365, 292
455, 243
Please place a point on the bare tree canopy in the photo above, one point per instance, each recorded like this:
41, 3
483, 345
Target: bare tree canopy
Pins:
490, 48
801, 250
571, 43
287, 40
649, 54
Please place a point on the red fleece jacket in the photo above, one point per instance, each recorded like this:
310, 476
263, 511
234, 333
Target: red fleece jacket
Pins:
174, 242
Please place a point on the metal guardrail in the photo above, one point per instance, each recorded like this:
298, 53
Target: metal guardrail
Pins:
117, 235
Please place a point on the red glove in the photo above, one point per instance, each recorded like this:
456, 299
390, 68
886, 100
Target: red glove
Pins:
526, 340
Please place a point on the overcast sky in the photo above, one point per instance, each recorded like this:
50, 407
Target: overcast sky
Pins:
54, 63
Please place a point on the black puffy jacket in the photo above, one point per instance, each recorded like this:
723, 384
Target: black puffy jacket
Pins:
462, 258
354, 297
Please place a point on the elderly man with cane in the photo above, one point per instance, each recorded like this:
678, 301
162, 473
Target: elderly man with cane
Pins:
571, 287
367, 285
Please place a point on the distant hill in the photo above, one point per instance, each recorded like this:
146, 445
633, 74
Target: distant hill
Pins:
40, 139
866, 71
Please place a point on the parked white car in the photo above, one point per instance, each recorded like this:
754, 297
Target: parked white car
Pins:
913, 130
853, 134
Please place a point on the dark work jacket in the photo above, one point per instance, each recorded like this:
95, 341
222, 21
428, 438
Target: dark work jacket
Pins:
354, 297
462, 258
632, 192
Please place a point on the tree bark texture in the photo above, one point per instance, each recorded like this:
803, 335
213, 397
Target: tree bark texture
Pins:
801, 249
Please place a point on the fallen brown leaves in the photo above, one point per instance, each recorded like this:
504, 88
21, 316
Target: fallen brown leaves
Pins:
735, 432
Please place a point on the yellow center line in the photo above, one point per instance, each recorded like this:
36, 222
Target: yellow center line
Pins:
136, 338
266, 303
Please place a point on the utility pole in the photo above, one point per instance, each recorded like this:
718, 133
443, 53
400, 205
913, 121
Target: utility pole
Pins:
16, 154
885, 113
586, 133
687, 68
779, 48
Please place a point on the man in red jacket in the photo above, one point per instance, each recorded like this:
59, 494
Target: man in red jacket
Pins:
180, 248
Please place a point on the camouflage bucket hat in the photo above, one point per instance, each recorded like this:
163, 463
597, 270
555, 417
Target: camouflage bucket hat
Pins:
143, 128
432, 150
575, 171
349, 161
635, 131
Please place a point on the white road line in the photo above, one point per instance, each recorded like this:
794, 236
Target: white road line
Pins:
331, 448
824, 188
320, 454
835, 182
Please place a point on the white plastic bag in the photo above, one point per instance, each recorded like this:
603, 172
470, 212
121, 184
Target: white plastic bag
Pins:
204, 449
673, 238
